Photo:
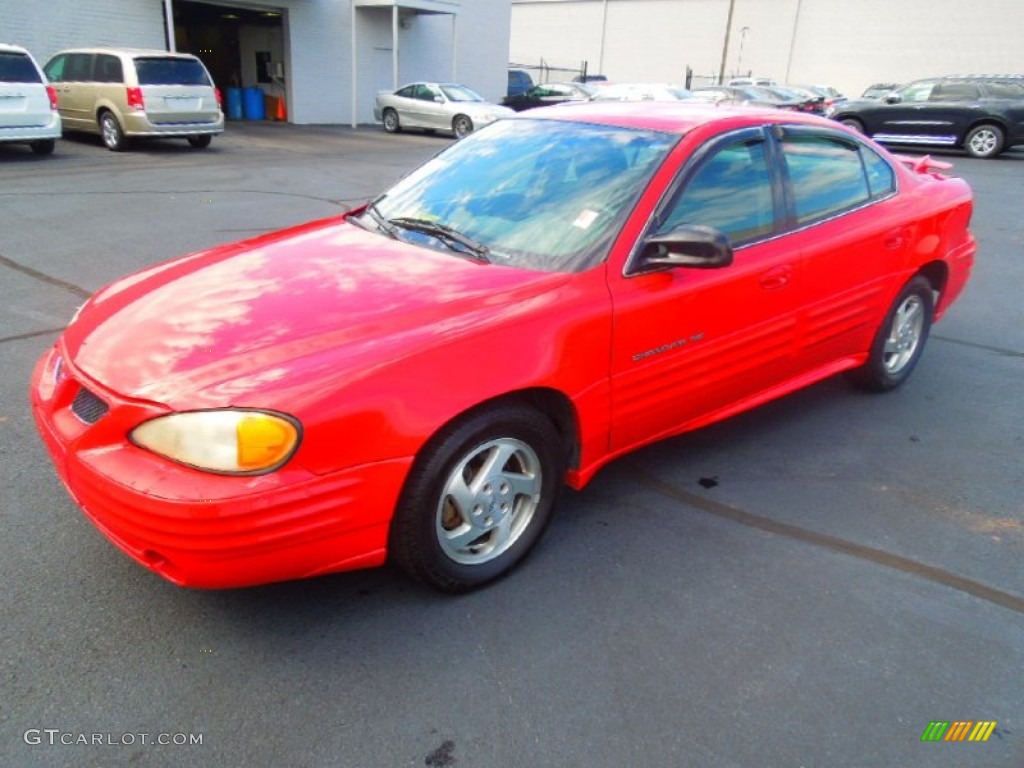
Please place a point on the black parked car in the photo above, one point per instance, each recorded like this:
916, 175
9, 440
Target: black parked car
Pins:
983, 114
549, 93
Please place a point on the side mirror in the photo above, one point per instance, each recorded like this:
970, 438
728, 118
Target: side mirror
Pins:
893, 98
688, 245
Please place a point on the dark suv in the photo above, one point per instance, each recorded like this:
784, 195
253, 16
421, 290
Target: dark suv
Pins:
982, 114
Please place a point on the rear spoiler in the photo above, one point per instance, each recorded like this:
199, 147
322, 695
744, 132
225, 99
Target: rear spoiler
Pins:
924, 164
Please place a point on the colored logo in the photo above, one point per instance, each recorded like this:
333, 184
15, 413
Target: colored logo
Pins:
958, 730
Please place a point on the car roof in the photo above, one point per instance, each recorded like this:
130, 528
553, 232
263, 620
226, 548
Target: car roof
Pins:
131, 52
669, 117
8, 48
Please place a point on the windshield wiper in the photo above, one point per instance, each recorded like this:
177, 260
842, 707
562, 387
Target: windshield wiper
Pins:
445, 234
380, 221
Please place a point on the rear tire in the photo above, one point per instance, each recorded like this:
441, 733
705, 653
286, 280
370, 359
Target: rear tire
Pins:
43, 146
200, 142
900, 339
391, 124
854, 123
112, 133
478, 498
985, 141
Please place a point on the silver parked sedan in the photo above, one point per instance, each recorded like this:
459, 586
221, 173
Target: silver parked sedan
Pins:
436, 106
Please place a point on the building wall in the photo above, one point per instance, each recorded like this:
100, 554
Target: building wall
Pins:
47, 27
836, 42
317, 49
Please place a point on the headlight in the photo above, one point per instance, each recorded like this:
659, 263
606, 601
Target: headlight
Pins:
229, 441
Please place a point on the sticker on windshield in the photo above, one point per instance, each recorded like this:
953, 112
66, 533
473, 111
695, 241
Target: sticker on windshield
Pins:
585, 219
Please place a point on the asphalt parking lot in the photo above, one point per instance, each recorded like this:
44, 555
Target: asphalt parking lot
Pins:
808, 584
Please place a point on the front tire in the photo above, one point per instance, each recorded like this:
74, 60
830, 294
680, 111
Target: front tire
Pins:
985, 141
391, 124
462, 126
478, 498
899, 342
112, 133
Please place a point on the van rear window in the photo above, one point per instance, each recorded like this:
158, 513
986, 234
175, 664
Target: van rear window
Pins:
17, 68
159, 71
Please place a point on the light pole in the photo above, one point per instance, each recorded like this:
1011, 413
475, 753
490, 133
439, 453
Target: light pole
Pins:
725, 45
739, 61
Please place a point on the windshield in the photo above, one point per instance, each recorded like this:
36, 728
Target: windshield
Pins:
460, 93
539, 194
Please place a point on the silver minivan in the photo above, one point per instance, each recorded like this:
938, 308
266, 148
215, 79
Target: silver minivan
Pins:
28, 105
125, 94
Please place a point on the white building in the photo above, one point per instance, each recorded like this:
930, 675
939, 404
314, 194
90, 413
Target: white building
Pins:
841, 43
325, 58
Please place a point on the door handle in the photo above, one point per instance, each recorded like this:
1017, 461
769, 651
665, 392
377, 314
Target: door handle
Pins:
777, 278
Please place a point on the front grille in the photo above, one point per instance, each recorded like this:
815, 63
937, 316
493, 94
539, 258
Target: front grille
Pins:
88, 407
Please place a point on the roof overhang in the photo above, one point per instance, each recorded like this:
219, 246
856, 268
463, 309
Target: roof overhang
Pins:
419, 6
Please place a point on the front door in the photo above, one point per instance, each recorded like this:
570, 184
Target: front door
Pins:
689, 343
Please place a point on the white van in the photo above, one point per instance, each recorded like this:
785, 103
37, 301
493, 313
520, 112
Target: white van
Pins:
28, 104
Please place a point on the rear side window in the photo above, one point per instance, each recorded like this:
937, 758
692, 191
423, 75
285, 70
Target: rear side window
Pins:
955, 92
170, 71
827, 175
1005, 91
17, 68
78, 68
108, 69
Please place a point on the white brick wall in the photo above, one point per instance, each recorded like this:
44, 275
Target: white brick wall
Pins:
837, 42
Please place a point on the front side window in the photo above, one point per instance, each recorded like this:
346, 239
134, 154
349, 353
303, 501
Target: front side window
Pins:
539, 194
827, 175
54, 68
731, 191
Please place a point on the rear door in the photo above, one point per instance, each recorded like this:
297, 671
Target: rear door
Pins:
853, 234
176, 90
24, 102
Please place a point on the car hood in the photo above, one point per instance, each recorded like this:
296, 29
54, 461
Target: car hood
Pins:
479, 108
212, 329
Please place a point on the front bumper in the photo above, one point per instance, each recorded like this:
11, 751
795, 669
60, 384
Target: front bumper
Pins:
202, 530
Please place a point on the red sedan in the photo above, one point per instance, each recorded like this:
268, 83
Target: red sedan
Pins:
416, 379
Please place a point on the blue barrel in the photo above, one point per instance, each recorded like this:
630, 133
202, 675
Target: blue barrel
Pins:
253, 102
234, 103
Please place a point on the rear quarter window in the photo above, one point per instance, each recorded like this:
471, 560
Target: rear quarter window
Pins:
170, 71
17, 68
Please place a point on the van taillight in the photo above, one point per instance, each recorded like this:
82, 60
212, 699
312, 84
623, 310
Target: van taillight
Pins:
216, 92
52, 93
135, 100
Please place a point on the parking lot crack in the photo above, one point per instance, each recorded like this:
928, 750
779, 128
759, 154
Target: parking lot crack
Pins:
833, 543
45, 278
